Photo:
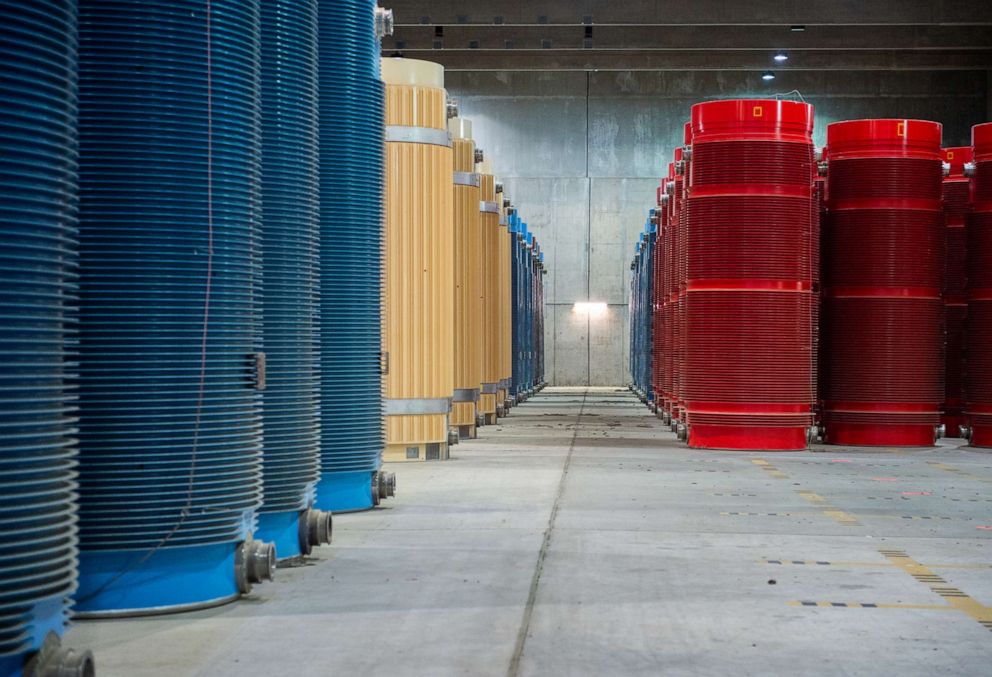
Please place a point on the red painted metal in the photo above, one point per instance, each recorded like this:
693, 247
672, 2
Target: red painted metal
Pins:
681, 185
749, 295
820, 196
671, 315
883, 279
956, 207
979, 380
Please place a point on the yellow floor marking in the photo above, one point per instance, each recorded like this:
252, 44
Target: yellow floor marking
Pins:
869, 605
769, 468
836, 514
958, 471
958, 599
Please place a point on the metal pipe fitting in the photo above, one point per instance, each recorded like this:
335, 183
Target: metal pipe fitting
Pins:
680, 167
939, 432
683, 432
479, 155
687, 153
376, 500
319, 527
945, 168
387, 484
452, 108
254, 562
453, 437
480, 420
500, 411
969, 169
54, 660
383, 22
498, 186
821, 168
965, 432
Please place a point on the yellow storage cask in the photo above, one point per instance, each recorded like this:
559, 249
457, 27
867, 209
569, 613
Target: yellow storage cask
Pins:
468, 281
489, 213
419, 254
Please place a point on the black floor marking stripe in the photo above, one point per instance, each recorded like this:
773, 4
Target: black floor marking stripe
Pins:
518, 649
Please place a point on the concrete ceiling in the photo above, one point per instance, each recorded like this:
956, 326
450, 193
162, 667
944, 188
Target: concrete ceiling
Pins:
690, 35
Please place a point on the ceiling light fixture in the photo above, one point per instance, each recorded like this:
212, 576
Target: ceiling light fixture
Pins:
767, 76
781, 57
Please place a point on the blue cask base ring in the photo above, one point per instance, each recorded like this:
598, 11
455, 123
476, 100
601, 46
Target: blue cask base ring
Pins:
283, 529
345, 491
169, 581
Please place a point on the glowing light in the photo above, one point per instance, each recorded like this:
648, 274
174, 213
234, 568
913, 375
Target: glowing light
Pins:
781, 57
767, 75
590, 308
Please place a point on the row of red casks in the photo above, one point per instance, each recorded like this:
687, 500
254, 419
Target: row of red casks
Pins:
754, 347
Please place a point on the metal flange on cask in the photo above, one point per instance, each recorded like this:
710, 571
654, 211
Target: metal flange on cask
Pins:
289, 269
468, 281
489, 214
351, 118
169, 358
38, 229
419, 300
956, 207
979, 382
883, 278
749, 249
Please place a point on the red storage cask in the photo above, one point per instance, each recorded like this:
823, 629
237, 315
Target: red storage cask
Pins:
750, 254
979, 379
956, 208
883, 273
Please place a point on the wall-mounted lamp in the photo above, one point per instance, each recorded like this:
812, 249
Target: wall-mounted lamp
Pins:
590, 309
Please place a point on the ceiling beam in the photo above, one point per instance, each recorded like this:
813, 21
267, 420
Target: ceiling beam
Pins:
694, 37
696, 12
699, 60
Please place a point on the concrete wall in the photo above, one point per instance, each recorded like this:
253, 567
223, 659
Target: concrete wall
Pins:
580, 154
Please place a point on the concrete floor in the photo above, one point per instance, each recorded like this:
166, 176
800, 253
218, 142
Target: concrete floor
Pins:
579, 538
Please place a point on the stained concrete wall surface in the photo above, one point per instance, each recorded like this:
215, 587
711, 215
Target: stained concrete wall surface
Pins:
581, 153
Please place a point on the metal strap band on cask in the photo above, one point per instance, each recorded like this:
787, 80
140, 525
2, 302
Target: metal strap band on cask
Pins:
488, 207
427, 135
490, 388
466, 179
415, 407
466, 395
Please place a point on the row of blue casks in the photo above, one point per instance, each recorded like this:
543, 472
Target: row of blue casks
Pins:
194, 369
640, 305
527, 310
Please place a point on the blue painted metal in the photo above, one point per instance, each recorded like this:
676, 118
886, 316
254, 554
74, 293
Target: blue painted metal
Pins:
647, 254
170, 433
351, 240
37, 280
528, 379
517, 306
291, 434
640, 311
